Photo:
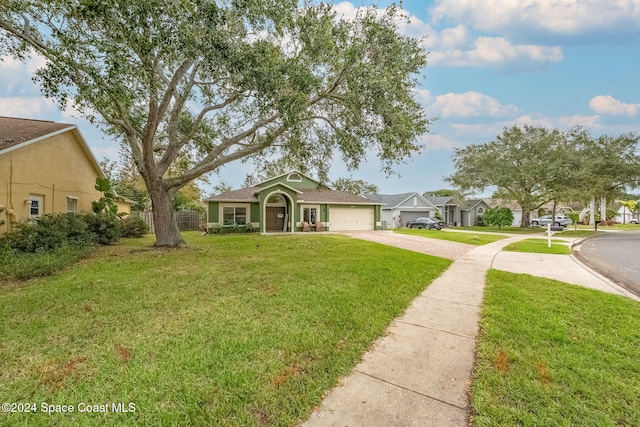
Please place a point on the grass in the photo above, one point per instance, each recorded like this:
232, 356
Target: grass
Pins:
235, 330
552, 354
15, 265
509, 230
539, 246
469, 238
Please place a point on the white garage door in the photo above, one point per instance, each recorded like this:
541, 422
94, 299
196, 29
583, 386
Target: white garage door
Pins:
348, 218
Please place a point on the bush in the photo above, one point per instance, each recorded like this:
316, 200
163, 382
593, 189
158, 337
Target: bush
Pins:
575, 217
49, 232
107, 228
479, 221
134, 226
499, 217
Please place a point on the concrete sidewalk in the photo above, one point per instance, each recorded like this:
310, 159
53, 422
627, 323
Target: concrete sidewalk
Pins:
420, 372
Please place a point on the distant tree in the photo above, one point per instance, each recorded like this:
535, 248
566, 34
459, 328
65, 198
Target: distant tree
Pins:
193, 85
609, 165
628, 204
445, 192
355, 186
222, 187
531, 165
500, 217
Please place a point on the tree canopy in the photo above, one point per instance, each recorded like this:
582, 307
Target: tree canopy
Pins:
193, 85
355, 186
534, 165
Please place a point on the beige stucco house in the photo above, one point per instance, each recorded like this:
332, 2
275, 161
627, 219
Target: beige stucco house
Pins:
45, 167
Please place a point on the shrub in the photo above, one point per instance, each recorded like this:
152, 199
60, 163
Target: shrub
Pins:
498, 217
134, 226
107, 228
575, 217
479, 221
49, 232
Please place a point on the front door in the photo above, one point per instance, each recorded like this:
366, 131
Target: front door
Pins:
275, 218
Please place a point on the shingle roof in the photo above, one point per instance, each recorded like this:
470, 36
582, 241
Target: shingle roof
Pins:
391, 200
14, 131
244, 194
307, 195
440, 201
332, 196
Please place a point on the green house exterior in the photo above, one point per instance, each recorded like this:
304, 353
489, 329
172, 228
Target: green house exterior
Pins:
284, 203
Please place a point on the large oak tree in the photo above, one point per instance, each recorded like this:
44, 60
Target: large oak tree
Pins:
534, 165
193, 85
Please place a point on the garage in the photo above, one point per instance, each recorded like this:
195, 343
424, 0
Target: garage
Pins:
413, 215
351, 218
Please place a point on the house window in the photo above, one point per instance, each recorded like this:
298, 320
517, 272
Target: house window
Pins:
36, 205
480, 211
72, 205
234, 214
294, 177
309, 215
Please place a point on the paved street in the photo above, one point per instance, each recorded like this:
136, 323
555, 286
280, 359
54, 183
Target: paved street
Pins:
616, 255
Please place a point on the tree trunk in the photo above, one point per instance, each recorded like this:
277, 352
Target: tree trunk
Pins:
164, 220
526, 217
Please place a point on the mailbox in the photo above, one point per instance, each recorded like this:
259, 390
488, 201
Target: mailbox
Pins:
556, 228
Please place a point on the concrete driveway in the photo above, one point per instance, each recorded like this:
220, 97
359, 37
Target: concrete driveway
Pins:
435, 247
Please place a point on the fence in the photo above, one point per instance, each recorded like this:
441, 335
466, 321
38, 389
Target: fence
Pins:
187, 220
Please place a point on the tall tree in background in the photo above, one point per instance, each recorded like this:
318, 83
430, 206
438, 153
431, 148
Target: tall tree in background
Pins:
530, 165
193, 85
609, 166
355, 186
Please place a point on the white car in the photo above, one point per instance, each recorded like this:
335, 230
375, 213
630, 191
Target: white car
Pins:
546, 220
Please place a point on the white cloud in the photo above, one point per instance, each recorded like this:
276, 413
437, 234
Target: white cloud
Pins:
433, 142
496, 52
29, 107
471, 104
457, 46
560, 17
611, 106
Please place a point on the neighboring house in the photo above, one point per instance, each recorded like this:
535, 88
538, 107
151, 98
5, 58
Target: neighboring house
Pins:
449, 209
285, 202
471, 210
45, 167
398, 209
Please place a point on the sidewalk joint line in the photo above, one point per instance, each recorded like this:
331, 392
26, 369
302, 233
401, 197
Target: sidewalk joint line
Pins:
447, 300
438, 330
464, 408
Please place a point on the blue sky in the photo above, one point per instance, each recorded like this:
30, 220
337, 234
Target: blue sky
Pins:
492, 64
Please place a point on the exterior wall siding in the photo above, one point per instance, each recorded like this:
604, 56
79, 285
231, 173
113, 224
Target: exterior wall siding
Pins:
56, 168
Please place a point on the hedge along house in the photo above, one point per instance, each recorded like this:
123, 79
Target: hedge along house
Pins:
284, 203
45, 167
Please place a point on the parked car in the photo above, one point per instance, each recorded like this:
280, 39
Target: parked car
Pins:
424, 222
634, 220
546, 220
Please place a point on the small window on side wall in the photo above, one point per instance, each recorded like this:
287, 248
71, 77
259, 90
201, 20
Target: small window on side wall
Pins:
72, 205
36, 205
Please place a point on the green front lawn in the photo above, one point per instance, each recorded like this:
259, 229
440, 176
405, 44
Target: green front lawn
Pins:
235, 330
509, 230
553, 354
469, 238
539, 246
